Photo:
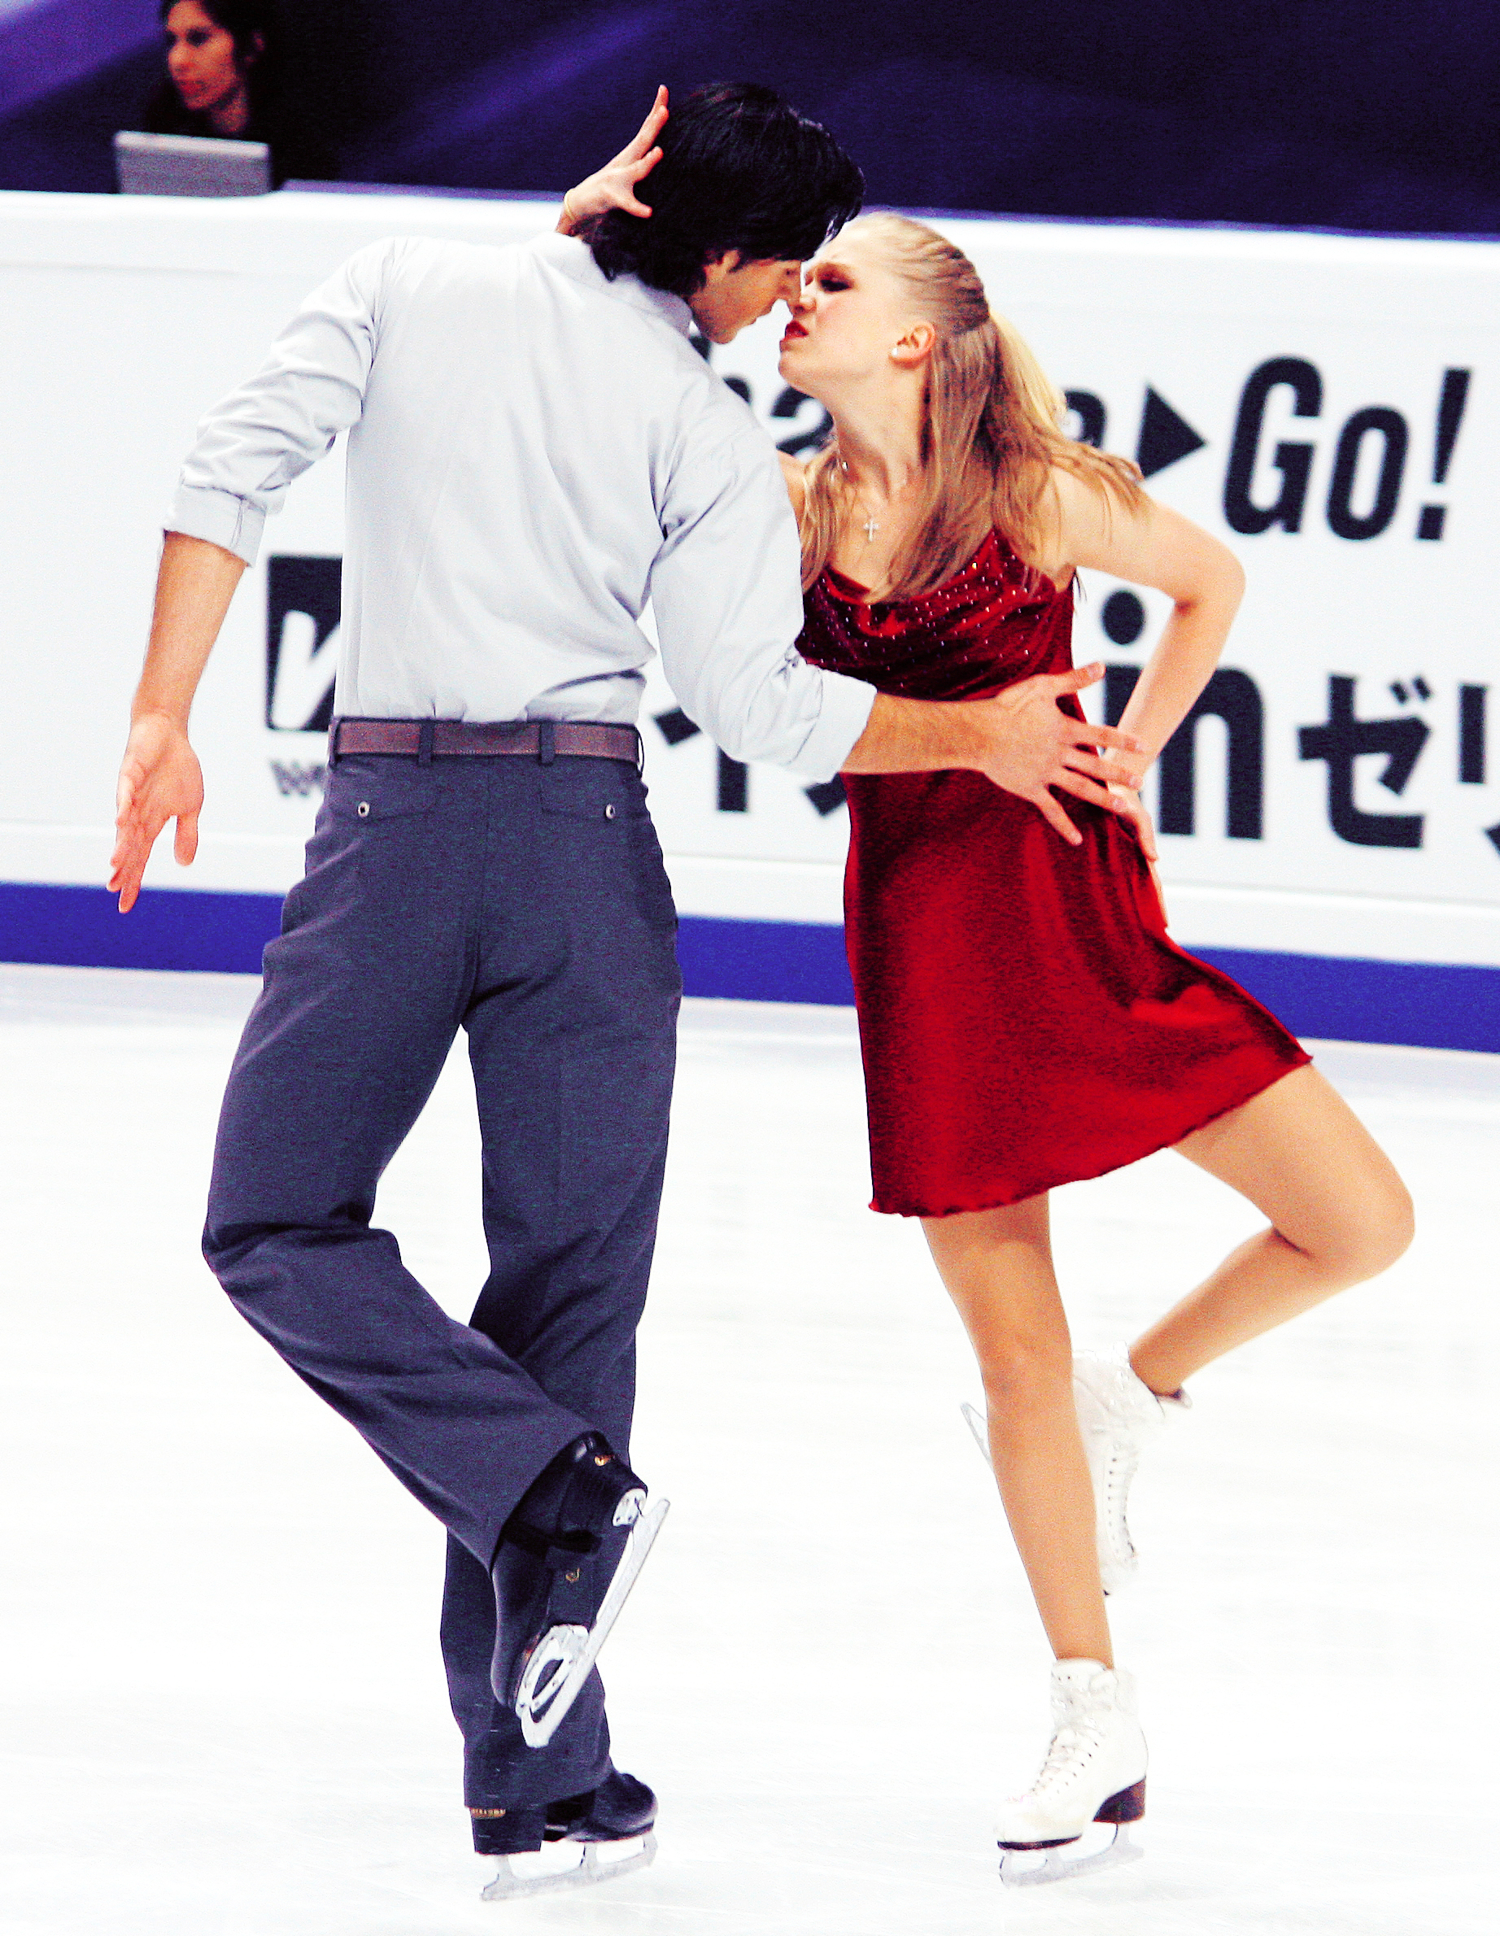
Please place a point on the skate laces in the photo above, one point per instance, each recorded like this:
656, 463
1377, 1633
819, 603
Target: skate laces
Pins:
1076, 1735
1128, 1422
1119, 1471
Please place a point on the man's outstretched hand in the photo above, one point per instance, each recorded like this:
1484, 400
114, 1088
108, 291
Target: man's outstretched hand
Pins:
160, 780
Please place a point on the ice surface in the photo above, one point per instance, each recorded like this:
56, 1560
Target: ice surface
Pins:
223, 1713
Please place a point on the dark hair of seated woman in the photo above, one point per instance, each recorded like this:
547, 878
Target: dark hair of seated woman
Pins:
224, 81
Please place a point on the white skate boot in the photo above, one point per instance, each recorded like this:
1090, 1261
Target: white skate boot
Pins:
1118, 1416
1095, 1771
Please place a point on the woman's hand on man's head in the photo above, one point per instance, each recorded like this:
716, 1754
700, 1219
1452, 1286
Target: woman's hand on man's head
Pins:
614, 185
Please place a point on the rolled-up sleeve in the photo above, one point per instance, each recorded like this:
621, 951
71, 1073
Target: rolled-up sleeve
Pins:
251, 446
727, 598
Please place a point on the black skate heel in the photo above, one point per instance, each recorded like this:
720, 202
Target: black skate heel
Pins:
566, 1561
1023, 1864
582, 1493
1128, 1806
618, 1809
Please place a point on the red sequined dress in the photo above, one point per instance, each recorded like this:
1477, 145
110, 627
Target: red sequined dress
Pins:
1024, 1019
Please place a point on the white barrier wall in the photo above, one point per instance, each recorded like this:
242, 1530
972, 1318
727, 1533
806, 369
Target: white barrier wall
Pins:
1325, 404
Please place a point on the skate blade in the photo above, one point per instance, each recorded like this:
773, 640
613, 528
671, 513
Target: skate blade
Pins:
1021, 1868
564, 1657
596, 1863
981, 1432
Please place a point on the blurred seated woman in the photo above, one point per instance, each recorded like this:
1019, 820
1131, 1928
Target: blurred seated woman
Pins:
224, 82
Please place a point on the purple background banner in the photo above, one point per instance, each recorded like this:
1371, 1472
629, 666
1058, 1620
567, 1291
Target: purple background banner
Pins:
47, 44
1377, 115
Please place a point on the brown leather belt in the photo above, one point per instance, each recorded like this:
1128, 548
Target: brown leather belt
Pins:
542, 739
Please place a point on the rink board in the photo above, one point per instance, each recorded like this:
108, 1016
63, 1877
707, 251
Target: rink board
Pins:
1425, 1005
1331, 822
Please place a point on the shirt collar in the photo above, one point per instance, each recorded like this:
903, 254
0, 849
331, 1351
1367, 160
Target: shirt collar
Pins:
573, 258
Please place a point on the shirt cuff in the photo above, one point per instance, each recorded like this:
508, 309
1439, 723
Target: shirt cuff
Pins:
842, 716
232, 523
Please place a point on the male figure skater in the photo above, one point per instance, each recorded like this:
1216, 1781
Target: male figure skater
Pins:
535, 450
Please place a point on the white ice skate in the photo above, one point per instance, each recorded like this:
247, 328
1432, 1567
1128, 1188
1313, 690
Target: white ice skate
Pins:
1095, 1771
1118, 1416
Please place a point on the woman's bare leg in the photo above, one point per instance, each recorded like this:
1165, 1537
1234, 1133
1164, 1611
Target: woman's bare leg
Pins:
1339, 1214
997, 1266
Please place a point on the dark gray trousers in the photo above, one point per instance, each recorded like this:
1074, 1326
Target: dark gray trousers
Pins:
523, 900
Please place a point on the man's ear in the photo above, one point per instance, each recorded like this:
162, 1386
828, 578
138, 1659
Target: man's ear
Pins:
257, 48
717, 267
914, 345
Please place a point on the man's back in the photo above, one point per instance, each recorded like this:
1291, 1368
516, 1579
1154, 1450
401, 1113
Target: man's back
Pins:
530, 433
534, 452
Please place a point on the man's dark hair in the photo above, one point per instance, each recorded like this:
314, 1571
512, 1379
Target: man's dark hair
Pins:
739, 170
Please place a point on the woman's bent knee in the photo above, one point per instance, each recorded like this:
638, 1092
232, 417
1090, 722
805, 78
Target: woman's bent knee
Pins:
1392, 1231
1375, 1228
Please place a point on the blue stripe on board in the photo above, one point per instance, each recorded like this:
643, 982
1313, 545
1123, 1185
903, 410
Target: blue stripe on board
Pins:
80, 927
1426, 1005
764, 961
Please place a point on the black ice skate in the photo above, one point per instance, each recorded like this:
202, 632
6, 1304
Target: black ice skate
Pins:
567, 1559
586, 1839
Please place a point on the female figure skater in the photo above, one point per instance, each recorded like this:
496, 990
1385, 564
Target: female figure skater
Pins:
1024, 1019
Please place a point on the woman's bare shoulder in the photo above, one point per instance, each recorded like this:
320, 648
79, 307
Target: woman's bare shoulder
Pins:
1071, 496
1080, 511
1044, 546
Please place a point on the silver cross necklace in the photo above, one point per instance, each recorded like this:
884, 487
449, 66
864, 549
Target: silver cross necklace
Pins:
871, 524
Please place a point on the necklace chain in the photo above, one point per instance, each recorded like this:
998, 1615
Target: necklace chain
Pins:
871, 523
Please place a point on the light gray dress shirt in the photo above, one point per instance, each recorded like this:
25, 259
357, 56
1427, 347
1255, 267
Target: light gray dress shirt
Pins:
534, 453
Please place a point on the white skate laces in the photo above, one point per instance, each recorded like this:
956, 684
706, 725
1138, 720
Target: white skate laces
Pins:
1094, 1772
1118, 1417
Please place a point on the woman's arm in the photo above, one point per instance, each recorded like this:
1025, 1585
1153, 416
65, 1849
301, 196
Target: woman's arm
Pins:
1151, 545
613, 186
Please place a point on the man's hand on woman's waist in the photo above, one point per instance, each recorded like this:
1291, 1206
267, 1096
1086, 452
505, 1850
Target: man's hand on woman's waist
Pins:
1021, 739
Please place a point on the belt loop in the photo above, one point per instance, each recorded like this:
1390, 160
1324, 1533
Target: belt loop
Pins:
640, 753
333, 743
546, 741
424, 743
